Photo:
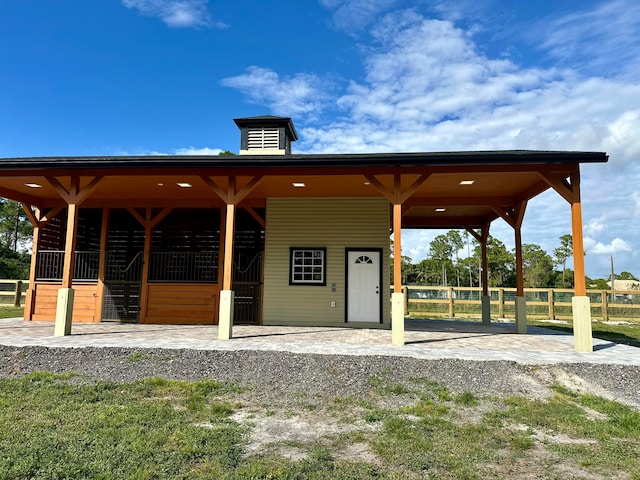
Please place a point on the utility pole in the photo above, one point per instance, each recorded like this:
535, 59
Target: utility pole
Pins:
613, 276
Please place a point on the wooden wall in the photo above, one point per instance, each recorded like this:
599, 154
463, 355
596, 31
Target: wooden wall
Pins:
84, 303
180, 304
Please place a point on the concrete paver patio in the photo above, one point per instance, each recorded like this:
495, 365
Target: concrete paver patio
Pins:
428, 339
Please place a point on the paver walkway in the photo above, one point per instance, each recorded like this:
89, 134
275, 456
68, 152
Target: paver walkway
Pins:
428, 339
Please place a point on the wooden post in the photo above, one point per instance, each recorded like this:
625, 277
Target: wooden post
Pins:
64, 306
405, 292
146, 256
582, 333
31, 292
397, 248
605, 306
552, 313
521, 303
486, 299
106, 212
451, 305
18, 294
501, 302
397, 298
227, 299
70, 246
227, 276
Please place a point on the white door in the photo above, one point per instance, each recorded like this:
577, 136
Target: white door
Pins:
363, 286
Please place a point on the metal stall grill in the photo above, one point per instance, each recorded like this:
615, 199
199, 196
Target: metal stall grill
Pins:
123, 268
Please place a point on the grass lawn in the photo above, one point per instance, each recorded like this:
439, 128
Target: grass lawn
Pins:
54, 426
9, 311
626, 333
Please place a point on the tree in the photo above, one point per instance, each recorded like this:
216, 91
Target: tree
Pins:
15, 228
562, 253
537, 267
625, 276
500, 263
13, 265
455, 240
226, 153
441, 250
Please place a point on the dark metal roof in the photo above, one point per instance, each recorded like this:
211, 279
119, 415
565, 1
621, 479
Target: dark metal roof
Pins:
420, 159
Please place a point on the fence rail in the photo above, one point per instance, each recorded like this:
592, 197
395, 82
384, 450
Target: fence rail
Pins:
542, 303
13, 291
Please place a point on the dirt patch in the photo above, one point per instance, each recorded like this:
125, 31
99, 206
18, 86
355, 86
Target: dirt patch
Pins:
288, 435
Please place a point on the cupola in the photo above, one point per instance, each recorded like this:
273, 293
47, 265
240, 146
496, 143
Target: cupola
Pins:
266, 135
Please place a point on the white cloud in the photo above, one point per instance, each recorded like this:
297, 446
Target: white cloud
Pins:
354, 15
198, 151
635, 197
594, 227
587, 38
301, 94
616, 246
175, 13
427, 86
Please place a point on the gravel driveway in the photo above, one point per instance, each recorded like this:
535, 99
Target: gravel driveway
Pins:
273, 376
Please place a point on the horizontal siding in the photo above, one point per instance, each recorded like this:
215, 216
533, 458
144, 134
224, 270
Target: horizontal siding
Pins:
335, 224
194, 304
46, 300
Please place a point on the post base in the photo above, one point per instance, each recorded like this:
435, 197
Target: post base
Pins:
521, 315
64, 312
397, 318
486, 310
582, 334
225, 318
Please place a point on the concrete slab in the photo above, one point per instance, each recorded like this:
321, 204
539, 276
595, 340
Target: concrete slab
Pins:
427, 339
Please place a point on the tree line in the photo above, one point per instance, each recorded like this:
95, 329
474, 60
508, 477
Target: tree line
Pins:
443, 265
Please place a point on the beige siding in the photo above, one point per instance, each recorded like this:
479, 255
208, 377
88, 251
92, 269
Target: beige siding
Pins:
333, 223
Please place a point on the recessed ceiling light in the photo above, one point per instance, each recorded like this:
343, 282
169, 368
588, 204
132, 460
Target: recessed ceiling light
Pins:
160, 184
441, 209
184, 185
298, 184
367, 183
467, 182
33, 185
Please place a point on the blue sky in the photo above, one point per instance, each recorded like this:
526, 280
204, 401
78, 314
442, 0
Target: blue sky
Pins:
110, 77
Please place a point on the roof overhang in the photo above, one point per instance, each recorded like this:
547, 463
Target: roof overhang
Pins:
441, 190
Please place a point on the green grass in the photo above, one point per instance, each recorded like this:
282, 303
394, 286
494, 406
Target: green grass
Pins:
625, 333
9, 311
63, 426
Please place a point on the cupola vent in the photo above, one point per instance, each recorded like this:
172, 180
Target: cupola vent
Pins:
266, 135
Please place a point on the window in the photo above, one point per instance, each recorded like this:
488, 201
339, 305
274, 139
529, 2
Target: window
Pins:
363, 259
308, 266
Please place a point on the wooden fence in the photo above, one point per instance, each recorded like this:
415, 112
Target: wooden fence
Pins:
12, 292
542, 303
466, 302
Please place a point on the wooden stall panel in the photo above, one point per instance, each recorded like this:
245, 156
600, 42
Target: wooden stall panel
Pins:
84, 303
181, 304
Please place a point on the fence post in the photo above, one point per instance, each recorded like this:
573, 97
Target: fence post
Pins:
605, 306
501, 303
17, 298
552, 313
451, 310
405, 291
